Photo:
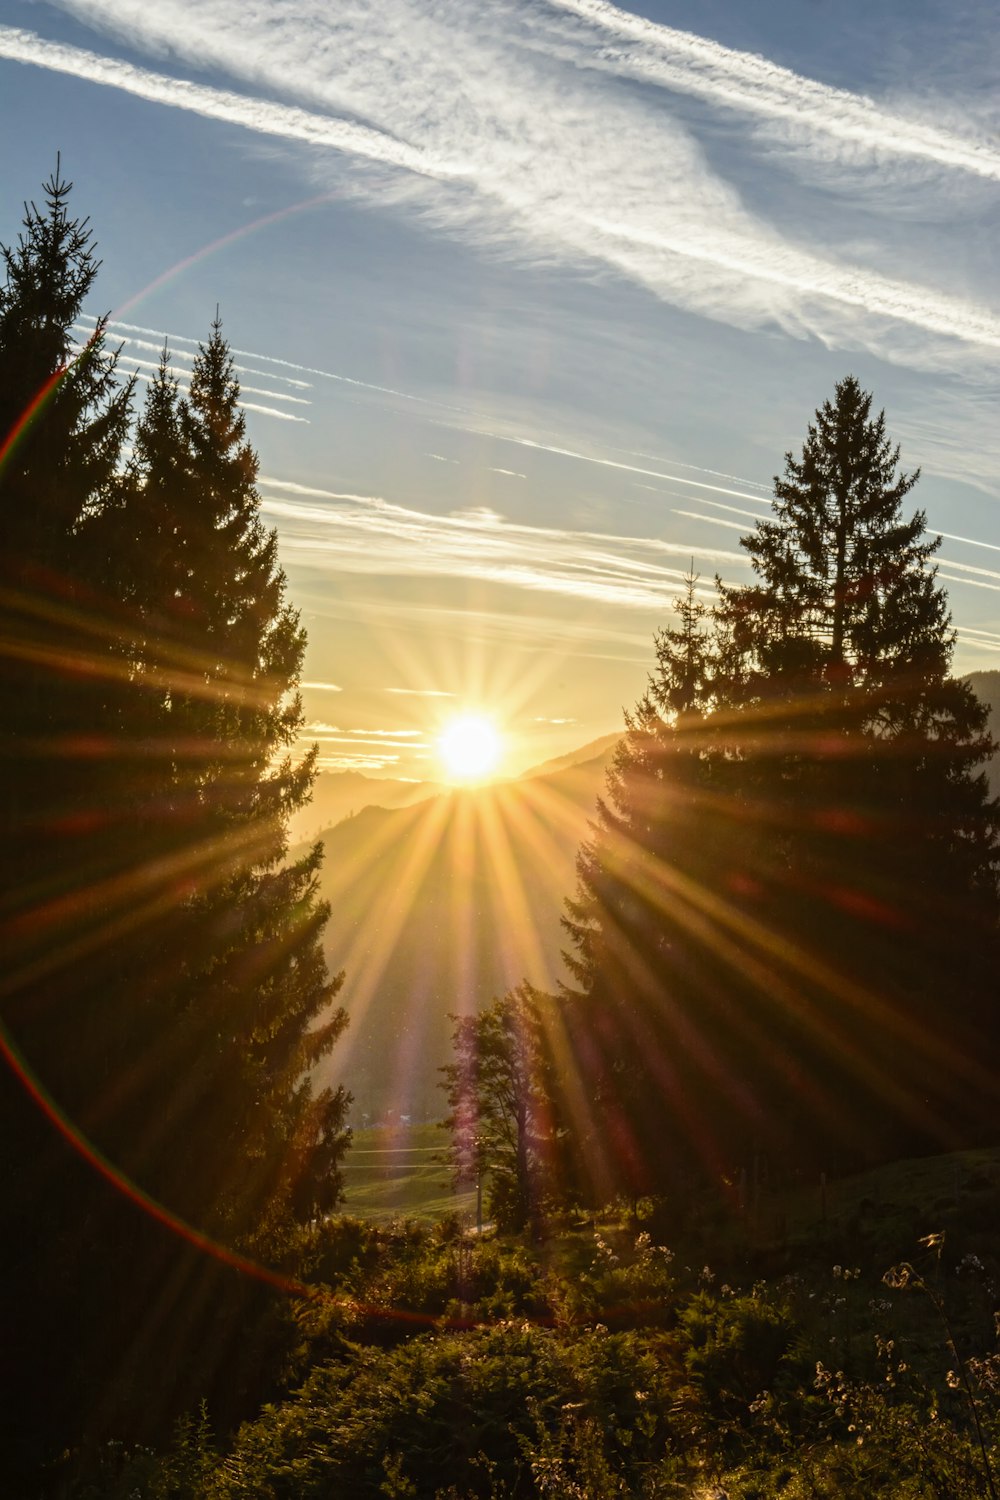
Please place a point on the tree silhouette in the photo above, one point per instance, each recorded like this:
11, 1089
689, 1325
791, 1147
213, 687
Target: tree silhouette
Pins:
166, 995
880, 874
650, 1019
234, 973
787, 916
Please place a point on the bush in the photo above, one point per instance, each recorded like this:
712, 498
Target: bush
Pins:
737, 1347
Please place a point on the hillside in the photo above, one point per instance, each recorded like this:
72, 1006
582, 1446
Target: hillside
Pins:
338, 794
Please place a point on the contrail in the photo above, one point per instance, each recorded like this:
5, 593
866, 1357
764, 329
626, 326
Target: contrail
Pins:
651, 250
690, 64
970, 541
284, 364
132, 342
262, 115
613, 463
264, 411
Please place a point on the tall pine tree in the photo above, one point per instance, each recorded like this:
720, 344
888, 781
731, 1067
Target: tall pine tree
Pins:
787, 916
63, 420
233, 976
166, 994
881, 861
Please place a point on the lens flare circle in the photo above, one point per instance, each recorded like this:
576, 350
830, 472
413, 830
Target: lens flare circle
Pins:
470, 746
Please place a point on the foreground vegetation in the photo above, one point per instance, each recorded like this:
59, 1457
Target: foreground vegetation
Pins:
599, 1362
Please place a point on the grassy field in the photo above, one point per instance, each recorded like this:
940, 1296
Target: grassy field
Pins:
399, 1171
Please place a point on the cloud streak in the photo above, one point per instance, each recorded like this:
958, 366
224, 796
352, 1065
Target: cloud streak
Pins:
148, 346
369, 535
116, 326
285, 121
510, 128
685, 63
263, 411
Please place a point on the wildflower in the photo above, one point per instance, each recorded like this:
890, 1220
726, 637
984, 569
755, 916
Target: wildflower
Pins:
898, 1277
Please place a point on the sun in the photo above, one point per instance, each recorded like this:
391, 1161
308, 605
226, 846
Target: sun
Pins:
470, 747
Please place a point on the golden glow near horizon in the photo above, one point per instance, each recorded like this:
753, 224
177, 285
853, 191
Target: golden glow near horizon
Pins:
470, 747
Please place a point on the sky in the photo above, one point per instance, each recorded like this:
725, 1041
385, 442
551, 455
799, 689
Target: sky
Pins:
528, 299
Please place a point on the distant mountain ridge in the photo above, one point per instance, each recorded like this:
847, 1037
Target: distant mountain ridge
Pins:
599, 749
339, 794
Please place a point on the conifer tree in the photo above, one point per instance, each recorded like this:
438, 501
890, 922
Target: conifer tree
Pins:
238, 1004
880, 862
786, 922
167, 995
63, 420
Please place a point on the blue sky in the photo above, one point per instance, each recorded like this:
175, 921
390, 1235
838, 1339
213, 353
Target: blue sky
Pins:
531, 296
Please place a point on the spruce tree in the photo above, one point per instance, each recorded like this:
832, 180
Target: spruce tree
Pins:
63, 421
237, 1003
878, 873
786, 923
167, 995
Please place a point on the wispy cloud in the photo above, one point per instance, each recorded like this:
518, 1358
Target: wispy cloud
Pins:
512, 126
753, 484
972, 577
359, 762
616, 463
377, 737
322, 687
366, 534
742, 81
261, 115
697, 515
982, 640
969, 541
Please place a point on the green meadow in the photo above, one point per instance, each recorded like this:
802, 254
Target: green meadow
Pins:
401, 1171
